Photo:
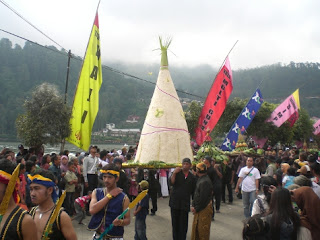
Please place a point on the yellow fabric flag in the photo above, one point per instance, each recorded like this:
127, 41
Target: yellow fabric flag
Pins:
86, 100
296, 97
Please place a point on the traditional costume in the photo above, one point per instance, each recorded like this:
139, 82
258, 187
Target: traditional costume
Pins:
202, 203
55, 231
104, 218
12, 228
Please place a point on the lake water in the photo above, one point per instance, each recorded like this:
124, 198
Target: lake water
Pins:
68, 146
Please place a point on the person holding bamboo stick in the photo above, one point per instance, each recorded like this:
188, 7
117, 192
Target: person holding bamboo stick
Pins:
107, 204
15, 222
44, 196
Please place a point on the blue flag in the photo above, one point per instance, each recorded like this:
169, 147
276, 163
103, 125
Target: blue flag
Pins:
243, 121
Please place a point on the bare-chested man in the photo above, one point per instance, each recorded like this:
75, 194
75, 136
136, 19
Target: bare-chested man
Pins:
43, 195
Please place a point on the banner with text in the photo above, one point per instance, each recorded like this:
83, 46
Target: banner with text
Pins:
215, 103
86, 100
243, 121
285, 110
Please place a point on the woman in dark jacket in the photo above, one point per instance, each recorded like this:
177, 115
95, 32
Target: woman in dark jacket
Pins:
283, 221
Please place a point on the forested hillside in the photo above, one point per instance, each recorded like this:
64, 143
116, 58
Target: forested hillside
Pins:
21, 69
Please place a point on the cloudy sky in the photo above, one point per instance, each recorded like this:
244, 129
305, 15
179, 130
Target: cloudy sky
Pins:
203, 31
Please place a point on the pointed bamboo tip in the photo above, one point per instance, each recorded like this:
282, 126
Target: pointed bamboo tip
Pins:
164, 45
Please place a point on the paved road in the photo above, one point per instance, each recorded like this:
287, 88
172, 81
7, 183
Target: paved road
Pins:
227, 224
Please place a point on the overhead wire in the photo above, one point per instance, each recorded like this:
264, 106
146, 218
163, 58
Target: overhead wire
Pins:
78, 58
23, 18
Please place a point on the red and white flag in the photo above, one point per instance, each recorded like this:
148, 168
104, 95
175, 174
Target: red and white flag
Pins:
215, 103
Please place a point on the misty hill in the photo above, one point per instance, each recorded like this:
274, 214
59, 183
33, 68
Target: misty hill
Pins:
21, 69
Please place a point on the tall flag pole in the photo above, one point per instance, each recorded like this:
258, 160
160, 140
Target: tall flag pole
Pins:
243, 121
286, 110
86, 100
215, 103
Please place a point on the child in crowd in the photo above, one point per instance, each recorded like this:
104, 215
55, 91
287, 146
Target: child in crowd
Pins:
288, 178
80, 206
71, 182
141, 213
133, 190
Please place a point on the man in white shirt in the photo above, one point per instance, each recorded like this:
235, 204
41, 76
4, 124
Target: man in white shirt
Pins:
90, 170
103, 161
249, 178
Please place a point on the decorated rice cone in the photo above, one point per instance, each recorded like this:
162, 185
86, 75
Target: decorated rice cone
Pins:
165, 136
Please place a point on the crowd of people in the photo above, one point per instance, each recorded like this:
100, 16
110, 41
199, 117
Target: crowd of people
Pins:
96, 185
289, 205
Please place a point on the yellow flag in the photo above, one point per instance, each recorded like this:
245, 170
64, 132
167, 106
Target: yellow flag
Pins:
296, 97
86, 100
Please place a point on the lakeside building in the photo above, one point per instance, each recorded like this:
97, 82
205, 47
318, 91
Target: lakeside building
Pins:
112, 131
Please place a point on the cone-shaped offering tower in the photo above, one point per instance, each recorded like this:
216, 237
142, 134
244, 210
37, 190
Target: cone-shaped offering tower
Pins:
165, 136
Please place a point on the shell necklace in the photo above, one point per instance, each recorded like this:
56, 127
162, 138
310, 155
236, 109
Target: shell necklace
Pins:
41, 213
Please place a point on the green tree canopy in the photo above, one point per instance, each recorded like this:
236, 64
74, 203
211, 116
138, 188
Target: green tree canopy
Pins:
46, 120
285, 134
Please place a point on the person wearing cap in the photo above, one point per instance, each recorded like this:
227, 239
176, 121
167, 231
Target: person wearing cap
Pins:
43, 194
107, 204
141, 212
215, 177
21, 150
16, 223
202, 205
183, 184
249, 180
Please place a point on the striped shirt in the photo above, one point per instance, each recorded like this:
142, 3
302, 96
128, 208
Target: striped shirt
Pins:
82, 201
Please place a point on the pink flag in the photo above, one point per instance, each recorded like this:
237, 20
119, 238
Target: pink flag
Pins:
285, 110
260, 141
316, 127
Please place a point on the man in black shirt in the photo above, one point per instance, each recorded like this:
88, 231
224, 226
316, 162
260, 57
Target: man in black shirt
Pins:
202, 205
183, 185
215, 177
227, 179
123, 179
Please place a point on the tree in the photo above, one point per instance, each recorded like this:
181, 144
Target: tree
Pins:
303, 128
192, 115
259, 127
46, 120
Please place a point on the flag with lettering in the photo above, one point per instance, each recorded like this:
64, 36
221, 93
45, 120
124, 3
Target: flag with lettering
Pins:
86, 100
243, 121
215, 103
285, 110
316, 127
